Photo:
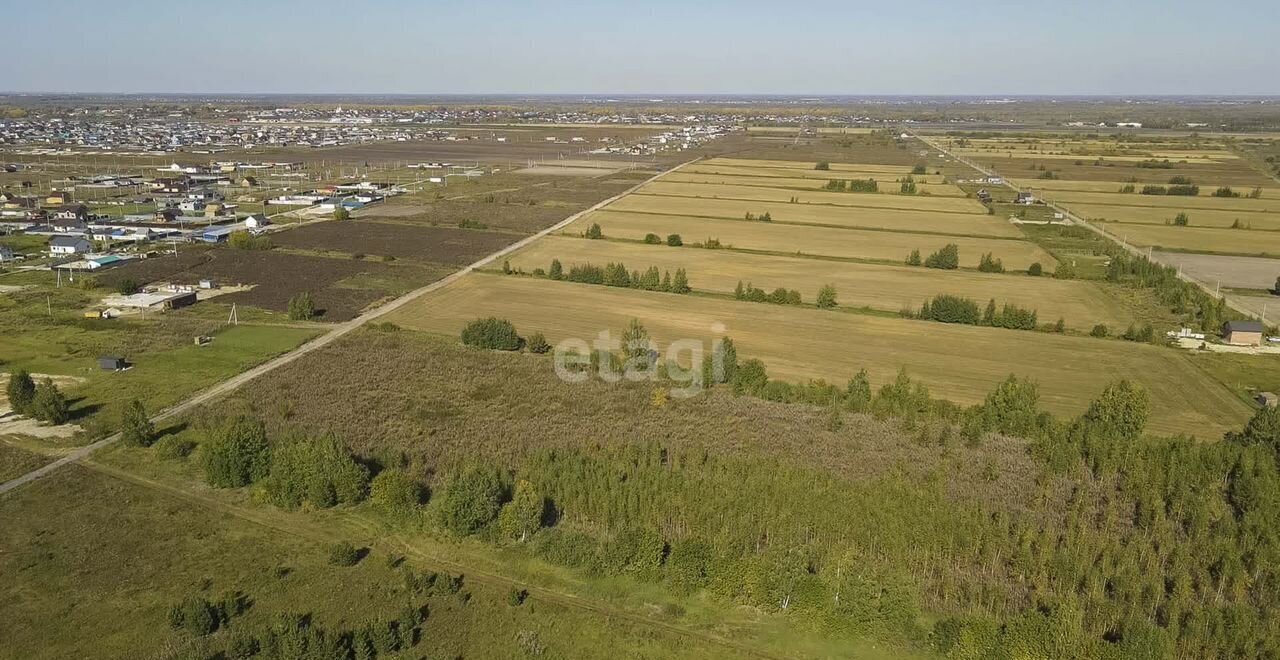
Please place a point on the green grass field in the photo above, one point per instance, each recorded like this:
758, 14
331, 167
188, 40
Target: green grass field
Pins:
960, 363
778, 237
100, 582
882, 287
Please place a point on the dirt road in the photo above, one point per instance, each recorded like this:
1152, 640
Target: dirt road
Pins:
333, 335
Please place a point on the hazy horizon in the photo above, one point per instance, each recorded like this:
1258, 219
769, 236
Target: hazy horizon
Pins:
929, 48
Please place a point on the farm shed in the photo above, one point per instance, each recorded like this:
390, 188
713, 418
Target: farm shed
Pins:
1242, 333
111, 363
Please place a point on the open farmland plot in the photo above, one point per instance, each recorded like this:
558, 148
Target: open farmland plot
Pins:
783, 196
1242, 205
1236, 173
1164, 215
341, 287
1231, 272
960, 363
961, 224
835, 167
777, 237
931, 185
445, 245
1197, 239
889, 288
798, 170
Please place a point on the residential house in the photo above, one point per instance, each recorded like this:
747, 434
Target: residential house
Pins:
69, 245
1242, 333
1024, 198
256, 221
58, 198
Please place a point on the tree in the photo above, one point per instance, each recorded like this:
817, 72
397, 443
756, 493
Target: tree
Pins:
947, 258
857, 394
522, 516
1035, 269
920, 169
1262, 429
22, 390
195, 616
1181, 220
1119, 413
302, 307
128, 287
913, 259
470, 501
341, 213
826, 297
750, 378
395, 492
48, 404
556, 272
136, 428
989, 264
822, 166
237, 454
635, 342
681, 282
1100, 330
491, 333
594, 231
652, 239
244, 240
674, 240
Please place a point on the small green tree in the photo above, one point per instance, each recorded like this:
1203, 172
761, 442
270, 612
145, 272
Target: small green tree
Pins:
674, 240
136, 428
913, 259
341, 213
344, 554
195, 616
947, 258
1035, 270
857, 394
22, 390
302, 307
822, 166
594, 231
1181, 220
237, 454
128, 287
556, 272
826, 297
680, 284
470, 501
522, 516
394, 492
1100, 330
48, 404
652, 239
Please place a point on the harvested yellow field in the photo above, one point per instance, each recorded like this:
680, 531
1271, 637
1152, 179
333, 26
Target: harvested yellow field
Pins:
782, 197
1272, 194
1201, 157
794, 172
964, 224
890, 288
1164, 215
828, 241
896, 170
1197, 239
825, 130
1243, 205
960, 363
932, 184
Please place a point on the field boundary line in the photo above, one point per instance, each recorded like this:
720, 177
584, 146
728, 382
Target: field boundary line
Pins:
333, 335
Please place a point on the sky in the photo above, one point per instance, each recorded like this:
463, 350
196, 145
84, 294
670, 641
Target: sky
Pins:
925, 47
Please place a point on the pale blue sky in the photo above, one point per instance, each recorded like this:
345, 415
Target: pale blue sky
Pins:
655, 47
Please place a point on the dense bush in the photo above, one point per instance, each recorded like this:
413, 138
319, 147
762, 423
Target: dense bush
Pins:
318, 471
491, 333
674, 240
21, 391
302, 307
136, 428
394, 492
48, 404
989, 264
344, 553
950, 309
826, 298
236, 454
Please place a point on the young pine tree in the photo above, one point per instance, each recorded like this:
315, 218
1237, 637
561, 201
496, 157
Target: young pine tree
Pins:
22, 390
136, 428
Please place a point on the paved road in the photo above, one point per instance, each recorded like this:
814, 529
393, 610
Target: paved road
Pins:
324, 340
1072, 218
